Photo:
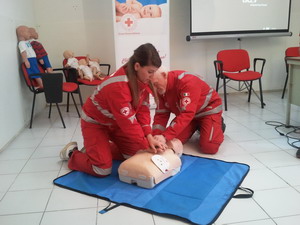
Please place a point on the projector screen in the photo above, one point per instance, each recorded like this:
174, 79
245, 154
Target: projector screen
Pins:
239, 18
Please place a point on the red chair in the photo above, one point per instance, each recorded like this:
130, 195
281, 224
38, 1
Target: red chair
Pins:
289, 52
234, 64
73, 76
53, 89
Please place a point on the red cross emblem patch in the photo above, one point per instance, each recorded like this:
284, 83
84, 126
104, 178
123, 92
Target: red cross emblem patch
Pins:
125, 111
185, 101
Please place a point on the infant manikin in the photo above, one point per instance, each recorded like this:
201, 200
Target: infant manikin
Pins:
146, 169
94, 64
71, 60
85, 72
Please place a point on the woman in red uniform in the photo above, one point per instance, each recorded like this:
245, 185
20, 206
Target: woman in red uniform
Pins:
115, 120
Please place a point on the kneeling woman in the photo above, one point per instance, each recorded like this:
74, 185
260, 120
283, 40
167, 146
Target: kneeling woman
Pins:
115, 120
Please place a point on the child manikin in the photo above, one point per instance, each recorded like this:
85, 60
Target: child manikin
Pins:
27, 53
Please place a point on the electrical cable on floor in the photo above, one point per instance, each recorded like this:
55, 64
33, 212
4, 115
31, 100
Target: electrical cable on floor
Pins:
292, 140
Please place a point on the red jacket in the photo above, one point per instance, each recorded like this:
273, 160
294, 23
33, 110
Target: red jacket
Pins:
110, 105
188, 97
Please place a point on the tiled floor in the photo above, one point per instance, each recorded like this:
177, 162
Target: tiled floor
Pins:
30, 163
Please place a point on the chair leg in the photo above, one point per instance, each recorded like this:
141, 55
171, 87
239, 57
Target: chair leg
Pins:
32, 110
250, 89
62, 120
75, 104
68, 101
261, 94
217, 86
285, 83
225, 95
50, 107
80, 97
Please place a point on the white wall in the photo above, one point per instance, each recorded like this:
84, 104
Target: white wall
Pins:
15, 97
86, 26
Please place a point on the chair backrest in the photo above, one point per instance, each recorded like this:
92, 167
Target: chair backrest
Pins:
292, 52
234, 60
31, 83
53, 85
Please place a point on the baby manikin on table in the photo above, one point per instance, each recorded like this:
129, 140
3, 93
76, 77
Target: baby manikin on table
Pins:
146, 169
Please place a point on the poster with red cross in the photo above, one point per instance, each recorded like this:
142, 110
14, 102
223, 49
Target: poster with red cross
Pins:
138, 22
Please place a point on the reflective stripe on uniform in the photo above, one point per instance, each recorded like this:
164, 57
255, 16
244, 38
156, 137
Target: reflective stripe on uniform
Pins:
146, 104
161, 111
112, 80
100, 171
207, 99
90, 120
158, 127
209, 112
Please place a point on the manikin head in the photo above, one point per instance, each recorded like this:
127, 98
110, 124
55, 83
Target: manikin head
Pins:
33, 33
68, 54
23, 33
150, 11
160, 80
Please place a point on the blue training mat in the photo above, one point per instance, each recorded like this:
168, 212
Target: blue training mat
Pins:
198, 193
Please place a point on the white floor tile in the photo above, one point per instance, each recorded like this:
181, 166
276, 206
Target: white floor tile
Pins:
42, 164
6, 181
257, 222
24, 219
37, 180
241, 210
277, 159
292, 220
62, 199
263, 179
279, 202
290, 174
11, 166
16, 153
48, 151
238, 136
258, 146
70, 217
17, 202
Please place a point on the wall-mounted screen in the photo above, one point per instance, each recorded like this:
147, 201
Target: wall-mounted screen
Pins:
239, 17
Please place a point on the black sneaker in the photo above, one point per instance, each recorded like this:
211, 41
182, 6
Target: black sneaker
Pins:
298, 153
223, 125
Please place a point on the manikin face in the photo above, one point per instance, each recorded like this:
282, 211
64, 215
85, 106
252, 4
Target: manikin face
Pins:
144, 73
159, 81
150, 11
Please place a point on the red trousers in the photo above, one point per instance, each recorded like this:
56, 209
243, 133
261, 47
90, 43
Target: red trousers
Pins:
211, 133
103, 144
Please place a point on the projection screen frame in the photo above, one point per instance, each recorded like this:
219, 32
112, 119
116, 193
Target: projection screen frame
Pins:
239, 33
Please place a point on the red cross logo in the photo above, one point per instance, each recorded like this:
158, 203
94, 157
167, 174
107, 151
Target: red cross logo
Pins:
128, 22
185, 101
125, 111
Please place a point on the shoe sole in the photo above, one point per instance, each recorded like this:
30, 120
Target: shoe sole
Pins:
62, 153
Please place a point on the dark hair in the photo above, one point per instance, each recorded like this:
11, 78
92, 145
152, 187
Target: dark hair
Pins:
145, 55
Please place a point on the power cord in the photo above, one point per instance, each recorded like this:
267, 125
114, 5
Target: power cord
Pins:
292, 133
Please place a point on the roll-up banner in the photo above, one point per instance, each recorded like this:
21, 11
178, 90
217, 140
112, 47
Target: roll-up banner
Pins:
140, 22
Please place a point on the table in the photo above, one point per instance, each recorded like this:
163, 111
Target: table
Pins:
293, 85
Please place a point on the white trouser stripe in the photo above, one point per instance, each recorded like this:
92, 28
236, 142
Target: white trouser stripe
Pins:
100, 171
